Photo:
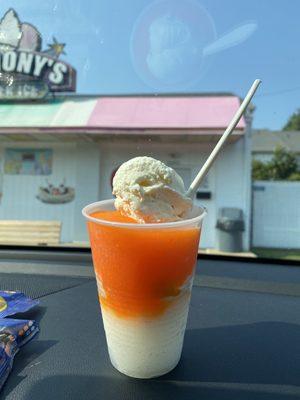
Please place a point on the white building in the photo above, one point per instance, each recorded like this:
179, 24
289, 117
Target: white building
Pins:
81, 141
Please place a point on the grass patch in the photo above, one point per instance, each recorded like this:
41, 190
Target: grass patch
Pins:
285, 254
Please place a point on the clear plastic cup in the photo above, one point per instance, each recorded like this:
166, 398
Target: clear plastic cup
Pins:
144, 276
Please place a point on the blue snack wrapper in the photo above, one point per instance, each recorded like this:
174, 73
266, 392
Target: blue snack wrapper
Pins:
13, 334
14, 302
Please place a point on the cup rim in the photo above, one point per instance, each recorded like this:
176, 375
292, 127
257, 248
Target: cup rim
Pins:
174, 224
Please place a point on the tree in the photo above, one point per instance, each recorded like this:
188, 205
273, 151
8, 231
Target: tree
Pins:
260, 171
293, 123
282, 166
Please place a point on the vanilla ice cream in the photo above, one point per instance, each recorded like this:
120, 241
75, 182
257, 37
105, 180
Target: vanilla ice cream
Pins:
149, 191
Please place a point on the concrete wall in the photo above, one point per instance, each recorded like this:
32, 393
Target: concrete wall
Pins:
70, 162
19, 191
87, 185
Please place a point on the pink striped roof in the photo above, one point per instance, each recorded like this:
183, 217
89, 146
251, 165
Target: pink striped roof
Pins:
191, 112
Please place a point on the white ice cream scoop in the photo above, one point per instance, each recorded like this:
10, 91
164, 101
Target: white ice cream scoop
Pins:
149, 191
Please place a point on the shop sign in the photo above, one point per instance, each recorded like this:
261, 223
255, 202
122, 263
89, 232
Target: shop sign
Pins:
26, 70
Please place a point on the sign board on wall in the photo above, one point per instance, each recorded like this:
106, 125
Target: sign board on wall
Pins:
28, 161
27, 71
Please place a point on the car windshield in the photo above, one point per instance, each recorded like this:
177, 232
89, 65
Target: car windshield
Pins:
88, 85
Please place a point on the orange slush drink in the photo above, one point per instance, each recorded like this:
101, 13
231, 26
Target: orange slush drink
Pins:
144, 275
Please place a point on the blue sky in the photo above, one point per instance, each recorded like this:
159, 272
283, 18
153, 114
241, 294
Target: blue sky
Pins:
102, 46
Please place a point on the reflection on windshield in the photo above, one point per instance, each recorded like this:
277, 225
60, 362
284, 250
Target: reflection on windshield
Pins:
172, 42
86, 86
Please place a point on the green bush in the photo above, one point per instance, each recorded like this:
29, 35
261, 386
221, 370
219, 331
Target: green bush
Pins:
294, 177
260, 171
282, 166
293, 123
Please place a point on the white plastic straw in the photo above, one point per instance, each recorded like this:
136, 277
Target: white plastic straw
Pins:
208, 163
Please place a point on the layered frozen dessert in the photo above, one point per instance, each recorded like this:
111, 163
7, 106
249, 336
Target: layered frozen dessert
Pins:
144, 246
